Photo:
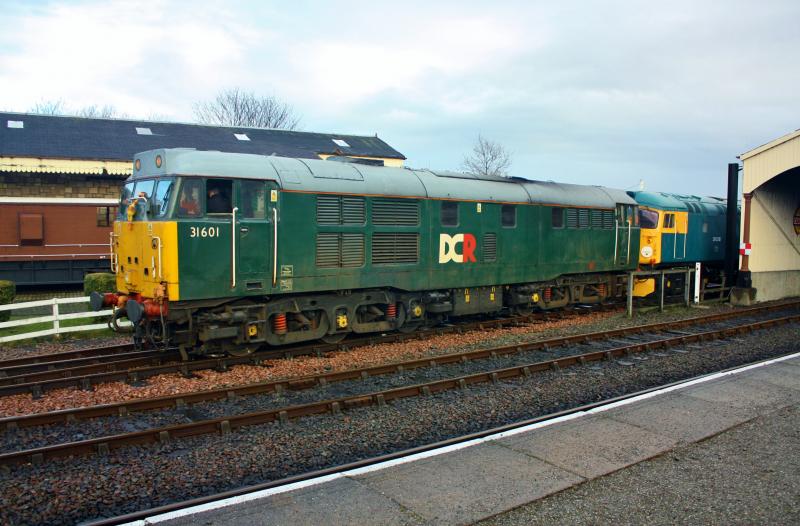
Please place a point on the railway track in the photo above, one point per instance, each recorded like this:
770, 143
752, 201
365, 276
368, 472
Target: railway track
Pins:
192, 507
625, 344
133, 367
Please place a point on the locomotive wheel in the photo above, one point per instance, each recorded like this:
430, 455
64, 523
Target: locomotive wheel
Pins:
522, 310
404, 325
240, 351
334, 338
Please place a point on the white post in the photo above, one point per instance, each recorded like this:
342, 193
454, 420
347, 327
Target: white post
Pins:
697, 282
56, 323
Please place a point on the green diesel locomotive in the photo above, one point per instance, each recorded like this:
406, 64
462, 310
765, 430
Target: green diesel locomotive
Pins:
225, 253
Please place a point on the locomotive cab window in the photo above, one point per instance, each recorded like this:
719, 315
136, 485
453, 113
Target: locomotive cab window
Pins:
508, 215
254, 199
218, 196
189, 203
160, 203
648, 218
449, 216
557, 217
669, 220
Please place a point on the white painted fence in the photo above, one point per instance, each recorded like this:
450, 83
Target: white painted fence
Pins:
55, 318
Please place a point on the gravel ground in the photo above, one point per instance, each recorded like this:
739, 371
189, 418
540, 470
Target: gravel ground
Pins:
70, 490
356, 358
748, 475
32, 437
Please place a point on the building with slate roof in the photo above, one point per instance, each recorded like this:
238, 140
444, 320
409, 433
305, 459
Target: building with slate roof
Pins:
60, 156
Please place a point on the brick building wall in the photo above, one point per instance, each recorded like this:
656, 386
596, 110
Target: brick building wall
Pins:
18, 184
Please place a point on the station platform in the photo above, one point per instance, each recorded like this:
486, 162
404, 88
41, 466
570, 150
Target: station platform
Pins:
527, 470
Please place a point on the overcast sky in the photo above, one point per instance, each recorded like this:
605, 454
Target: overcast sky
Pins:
604, 92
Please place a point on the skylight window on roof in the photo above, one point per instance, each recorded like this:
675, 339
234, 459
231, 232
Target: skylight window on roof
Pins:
16, 124
340, 142
241, 136
144, 131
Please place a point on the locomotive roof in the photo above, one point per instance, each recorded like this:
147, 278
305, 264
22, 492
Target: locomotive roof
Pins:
312, 175
679, 202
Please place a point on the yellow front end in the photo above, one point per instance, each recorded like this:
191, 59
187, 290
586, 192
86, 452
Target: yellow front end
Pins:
650, 242
146, 258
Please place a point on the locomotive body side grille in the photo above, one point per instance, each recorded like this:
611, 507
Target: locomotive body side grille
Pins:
395, 247
395, 212
490, 248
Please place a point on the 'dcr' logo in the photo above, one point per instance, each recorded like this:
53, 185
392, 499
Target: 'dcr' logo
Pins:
448, 252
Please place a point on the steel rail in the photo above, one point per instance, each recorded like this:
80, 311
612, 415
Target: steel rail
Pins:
65, 355
138, 369
307, 382
227, 424
244, 490
17, 373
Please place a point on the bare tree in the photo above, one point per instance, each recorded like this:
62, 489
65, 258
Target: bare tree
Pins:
487, 158
234, 107
59, 107
49, 107
100, 112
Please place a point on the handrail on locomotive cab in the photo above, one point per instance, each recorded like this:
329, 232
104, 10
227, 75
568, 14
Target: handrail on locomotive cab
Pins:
274, 246
628, 255
233, 246
616, 239
159, 274
112, 254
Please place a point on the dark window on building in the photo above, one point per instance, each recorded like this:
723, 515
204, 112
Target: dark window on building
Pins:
31, 229
508, 215
105, 215
557, 215
449, 213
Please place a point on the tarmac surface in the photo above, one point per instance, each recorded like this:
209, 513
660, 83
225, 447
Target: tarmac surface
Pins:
726, 451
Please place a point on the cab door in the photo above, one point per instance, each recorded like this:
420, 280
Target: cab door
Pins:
255, 212
681, 229
624, 230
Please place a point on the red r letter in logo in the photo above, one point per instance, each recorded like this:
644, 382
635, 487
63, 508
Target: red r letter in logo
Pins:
469, 248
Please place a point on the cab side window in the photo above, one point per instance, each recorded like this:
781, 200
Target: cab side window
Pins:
189, 203
669, 220
218, 196
449, 215
254, 199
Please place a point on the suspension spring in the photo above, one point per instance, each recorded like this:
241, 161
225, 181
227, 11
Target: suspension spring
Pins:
548, 294
601, 289
391, 311
279, 325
